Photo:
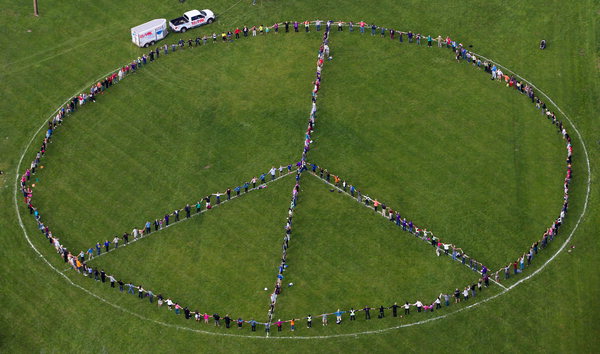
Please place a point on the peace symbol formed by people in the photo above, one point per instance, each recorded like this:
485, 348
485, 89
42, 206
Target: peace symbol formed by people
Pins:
300, 170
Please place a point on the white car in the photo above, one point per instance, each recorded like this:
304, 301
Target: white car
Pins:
191, 19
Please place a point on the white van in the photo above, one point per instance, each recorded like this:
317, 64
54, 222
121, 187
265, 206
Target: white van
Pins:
149, 33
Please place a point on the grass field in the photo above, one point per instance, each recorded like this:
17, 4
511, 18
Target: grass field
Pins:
445, 146
85, 192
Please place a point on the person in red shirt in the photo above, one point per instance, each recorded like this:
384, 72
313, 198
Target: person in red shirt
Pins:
237, 33
362, 24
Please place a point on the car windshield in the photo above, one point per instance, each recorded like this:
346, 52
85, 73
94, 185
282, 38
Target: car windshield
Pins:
187, 19
202, 13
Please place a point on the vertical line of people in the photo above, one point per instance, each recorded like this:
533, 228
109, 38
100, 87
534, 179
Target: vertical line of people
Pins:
301, 167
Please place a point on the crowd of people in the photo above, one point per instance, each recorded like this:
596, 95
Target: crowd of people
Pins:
78, 261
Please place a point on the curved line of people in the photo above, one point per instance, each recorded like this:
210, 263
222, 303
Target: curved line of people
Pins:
521, 86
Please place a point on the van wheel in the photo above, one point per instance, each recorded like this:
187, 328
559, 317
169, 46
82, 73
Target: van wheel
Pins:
152, 43
146, 45
183, 30
210, 20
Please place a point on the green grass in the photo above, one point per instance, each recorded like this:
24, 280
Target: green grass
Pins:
70, 45
458, 154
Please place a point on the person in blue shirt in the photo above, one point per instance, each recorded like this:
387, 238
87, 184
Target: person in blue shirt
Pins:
373, 29
246, 185
106, 245
98, 249
338, 316
262, 178
253, 325
237, 190
90, 253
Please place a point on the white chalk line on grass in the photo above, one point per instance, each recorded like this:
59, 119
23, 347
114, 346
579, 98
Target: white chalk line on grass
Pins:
186, 218
229, 8
567, 240
498, 283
